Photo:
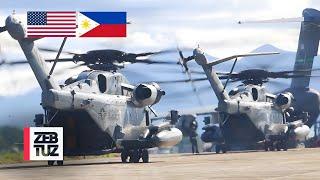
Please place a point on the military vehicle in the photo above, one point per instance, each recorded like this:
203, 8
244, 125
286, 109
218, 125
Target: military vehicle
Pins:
98, 109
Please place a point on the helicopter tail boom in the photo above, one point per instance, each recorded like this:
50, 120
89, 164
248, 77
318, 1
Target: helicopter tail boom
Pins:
212, 76
36, 61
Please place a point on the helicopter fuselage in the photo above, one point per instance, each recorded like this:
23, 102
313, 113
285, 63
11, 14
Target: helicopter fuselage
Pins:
262, 112
258, 106
102, 102
250, 115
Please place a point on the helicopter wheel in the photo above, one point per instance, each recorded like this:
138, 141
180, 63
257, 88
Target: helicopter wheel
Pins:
50, 163
145, 156
124, 155
271, 146
224, 148
134, 156
284, 145
266, 145
60, 163
218, 148
278, 145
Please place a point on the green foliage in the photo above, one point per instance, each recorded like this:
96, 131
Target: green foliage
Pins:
11, 139
11, 157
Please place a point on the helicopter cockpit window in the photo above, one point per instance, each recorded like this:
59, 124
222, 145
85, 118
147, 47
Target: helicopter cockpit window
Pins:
254, 92
102, 82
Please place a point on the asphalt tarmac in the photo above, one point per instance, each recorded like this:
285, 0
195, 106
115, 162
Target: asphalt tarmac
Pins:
293, 164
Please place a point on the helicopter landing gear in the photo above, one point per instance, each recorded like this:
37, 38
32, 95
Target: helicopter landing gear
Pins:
60, 163
281, 144
124, 155
145, 156
221, 148
276, 142
51, 163
135, 155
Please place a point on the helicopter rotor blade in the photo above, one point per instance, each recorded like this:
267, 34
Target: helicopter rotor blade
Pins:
218, 61
156, 53
149, 61
298, 71
11, 63
144, 54
16, 62
180, 81
298, 76
61, 60
281, 20
182, 60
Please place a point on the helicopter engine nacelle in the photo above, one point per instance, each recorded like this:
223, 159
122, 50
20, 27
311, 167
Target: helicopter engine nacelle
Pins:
147, 94
284, 100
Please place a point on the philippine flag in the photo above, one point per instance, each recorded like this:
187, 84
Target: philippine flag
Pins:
102, 24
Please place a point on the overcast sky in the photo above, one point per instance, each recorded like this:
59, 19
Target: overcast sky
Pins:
161, 24
156, 25
210, 23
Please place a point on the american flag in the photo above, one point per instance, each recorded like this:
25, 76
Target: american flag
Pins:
51, 24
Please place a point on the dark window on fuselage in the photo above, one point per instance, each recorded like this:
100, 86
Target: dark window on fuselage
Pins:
102, 82
254, 94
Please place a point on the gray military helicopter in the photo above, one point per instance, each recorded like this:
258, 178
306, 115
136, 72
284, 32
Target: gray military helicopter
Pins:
249, 113
307, 99
99, 110
242, 133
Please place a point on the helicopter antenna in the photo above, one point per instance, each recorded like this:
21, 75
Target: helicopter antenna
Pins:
57, 57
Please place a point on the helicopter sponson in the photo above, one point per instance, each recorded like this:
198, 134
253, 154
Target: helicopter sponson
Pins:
163, 135
147, 94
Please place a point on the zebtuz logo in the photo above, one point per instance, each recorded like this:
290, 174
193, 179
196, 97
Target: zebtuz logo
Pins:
43, 143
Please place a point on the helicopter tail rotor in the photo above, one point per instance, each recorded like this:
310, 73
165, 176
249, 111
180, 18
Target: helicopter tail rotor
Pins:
183, 61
